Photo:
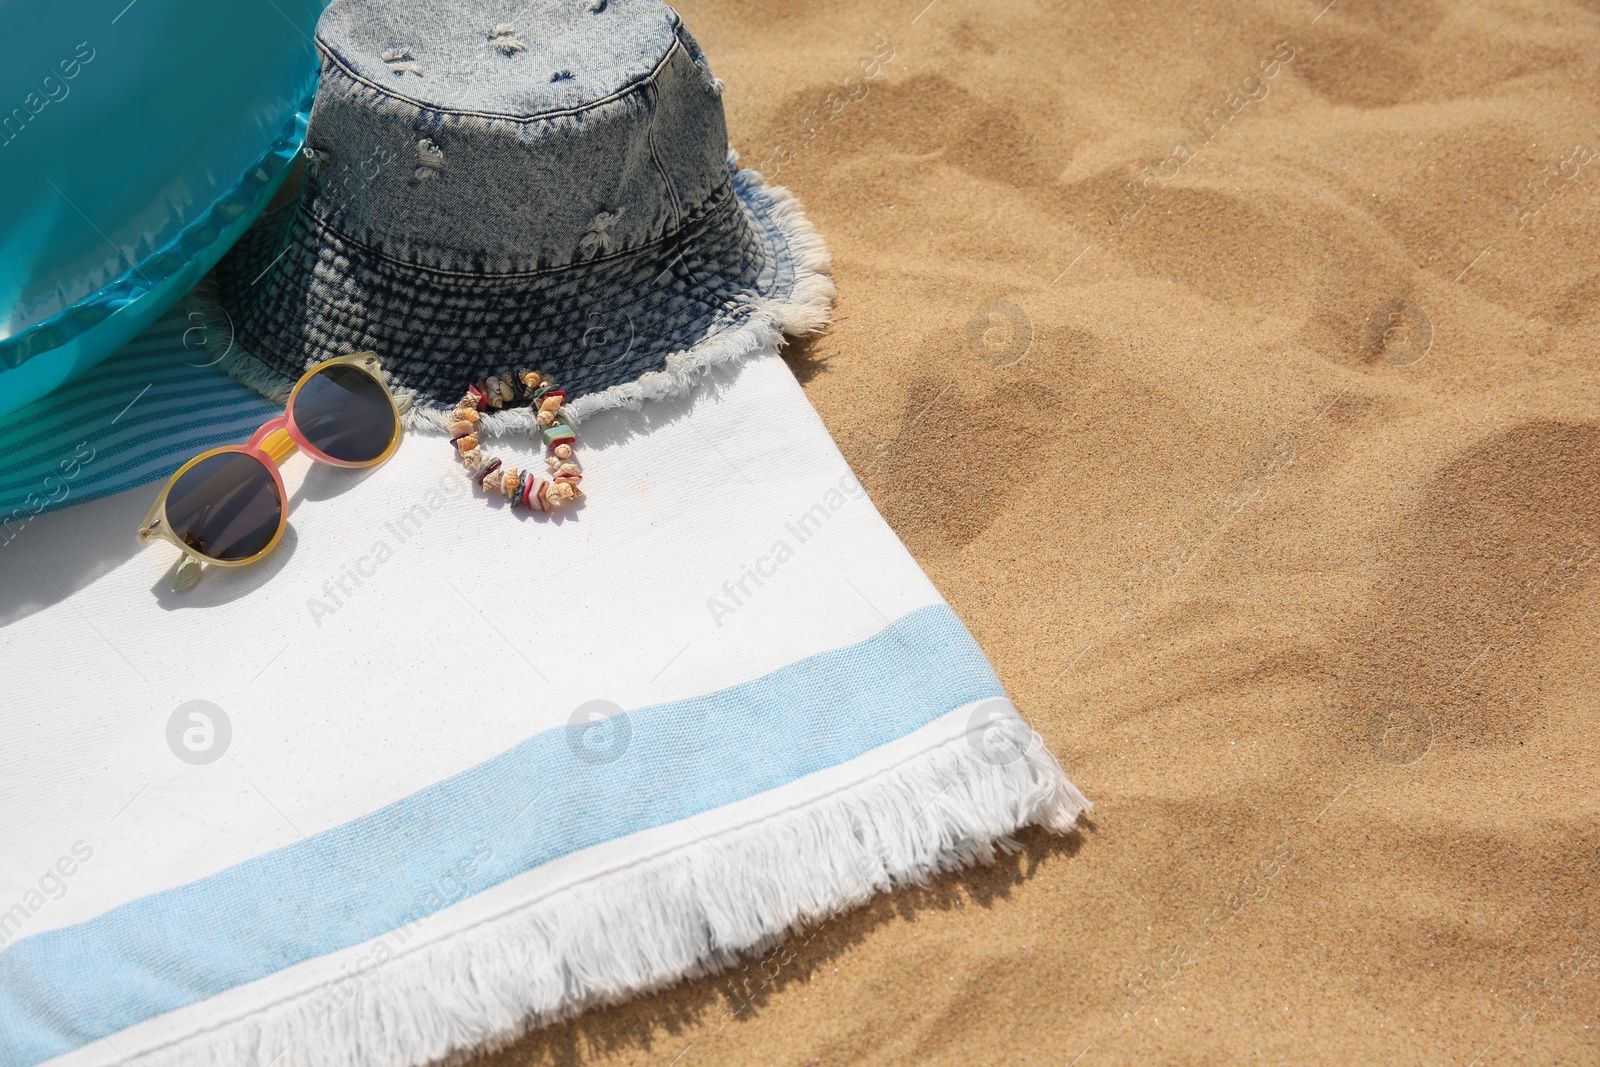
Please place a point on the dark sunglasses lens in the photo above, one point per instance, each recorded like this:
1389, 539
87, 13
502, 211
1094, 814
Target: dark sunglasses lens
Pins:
345, 414
226, 507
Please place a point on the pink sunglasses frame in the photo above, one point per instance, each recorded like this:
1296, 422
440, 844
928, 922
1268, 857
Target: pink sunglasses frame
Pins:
275, 441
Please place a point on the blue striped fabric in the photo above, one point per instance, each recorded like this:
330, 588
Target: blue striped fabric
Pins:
135, 419
350, 884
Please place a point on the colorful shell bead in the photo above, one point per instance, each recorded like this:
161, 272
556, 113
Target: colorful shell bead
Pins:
522, 488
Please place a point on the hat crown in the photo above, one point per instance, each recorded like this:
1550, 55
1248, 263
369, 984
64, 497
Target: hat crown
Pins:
501, 137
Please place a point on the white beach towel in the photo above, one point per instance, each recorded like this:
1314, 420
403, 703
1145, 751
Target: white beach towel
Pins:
437, 771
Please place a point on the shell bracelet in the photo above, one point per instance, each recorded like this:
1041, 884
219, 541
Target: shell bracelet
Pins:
524, 489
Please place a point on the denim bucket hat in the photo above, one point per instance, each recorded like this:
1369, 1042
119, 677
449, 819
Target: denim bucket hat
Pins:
491, 186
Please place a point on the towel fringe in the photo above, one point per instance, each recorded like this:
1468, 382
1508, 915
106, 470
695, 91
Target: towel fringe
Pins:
687, 913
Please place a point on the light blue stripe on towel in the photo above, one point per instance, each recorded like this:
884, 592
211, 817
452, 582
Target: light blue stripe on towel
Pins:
63, 989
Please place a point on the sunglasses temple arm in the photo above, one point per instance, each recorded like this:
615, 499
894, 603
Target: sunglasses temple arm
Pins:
273, 439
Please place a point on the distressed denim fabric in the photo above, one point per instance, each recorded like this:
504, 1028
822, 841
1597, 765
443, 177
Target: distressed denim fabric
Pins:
508, 184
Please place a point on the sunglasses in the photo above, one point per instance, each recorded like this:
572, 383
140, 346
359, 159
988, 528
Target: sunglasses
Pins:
228, 506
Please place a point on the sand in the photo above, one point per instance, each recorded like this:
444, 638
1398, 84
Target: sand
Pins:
1260, 452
